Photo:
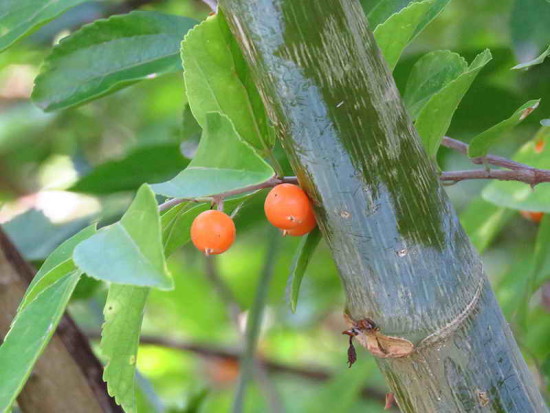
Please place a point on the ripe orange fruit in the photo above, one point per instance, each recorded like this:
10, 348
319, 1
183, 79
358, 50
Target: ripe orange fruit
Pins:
287, 206
532, 216
305, 227
213, 232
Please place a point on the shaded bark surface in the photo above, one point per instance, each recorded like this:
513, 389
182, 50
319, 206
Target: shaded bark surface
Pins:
404, 260
68, 376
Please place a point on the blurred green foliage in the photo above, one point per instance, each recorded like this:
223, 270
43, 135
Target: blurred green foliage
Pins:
114, 133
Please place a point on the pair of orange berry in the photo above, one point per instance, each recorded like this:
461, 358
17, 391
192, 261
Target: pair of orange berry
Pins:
286, 207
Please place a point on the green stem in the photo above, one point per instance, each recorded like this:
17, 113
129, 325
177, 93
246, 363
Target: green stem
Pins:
254, 323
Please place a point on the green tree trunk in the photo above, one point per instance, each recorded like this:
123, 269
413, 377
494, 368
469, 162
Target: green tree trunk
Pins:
403, 258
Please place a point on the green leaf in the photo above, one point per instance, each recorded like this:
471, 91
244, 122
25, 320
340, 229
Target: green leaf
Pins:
217, 79
145, 164
108, 55
481, 143
429, 75
384, 10
21, 17
29, 334
529, 26
536, 61
120, 341
434, 119
482, 221
129, 251
399, 30
518, 195
307, 247
56, 266
36, 237
223, 163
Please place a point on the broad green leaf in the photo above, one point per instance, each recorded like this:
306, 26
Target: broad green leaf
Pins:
217, 79
21, 17
429, 75
120, 340
307, 247
482, 221
479, 146
536, 61
384, 9
56, 266
223, 163
399, 30
29, 335
107, 55
145, 164
518, 195
129, 251
435, 118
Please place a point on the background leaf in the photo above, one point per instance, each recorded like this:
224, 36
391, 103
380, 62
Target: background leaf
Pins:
529, 27
145, 164
480, 145
536, 61
129, 251
35, 236
218, 80
482, 221
120, 340
21, 17
399, 30
307, 247
29, 335
107, 55
518, 195
435, 118
223, 163
429, 75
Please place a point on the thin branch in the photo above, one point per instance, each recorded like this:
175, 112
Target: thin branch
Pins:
528, 176
462, 147
314, 374
251, 188
516, 171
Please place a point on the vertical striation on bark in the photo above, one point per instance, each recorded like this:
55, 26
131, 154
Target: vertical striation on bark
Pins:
68, 376
404, 260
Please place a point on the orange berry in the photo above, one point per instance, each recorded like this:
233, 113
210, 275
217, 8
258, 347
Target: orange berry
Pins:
539, 146
532, 216
287, 206
305, 227
213, 232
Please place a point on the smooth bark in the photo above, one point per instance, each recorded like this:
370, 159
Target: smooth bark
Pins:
404, 260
